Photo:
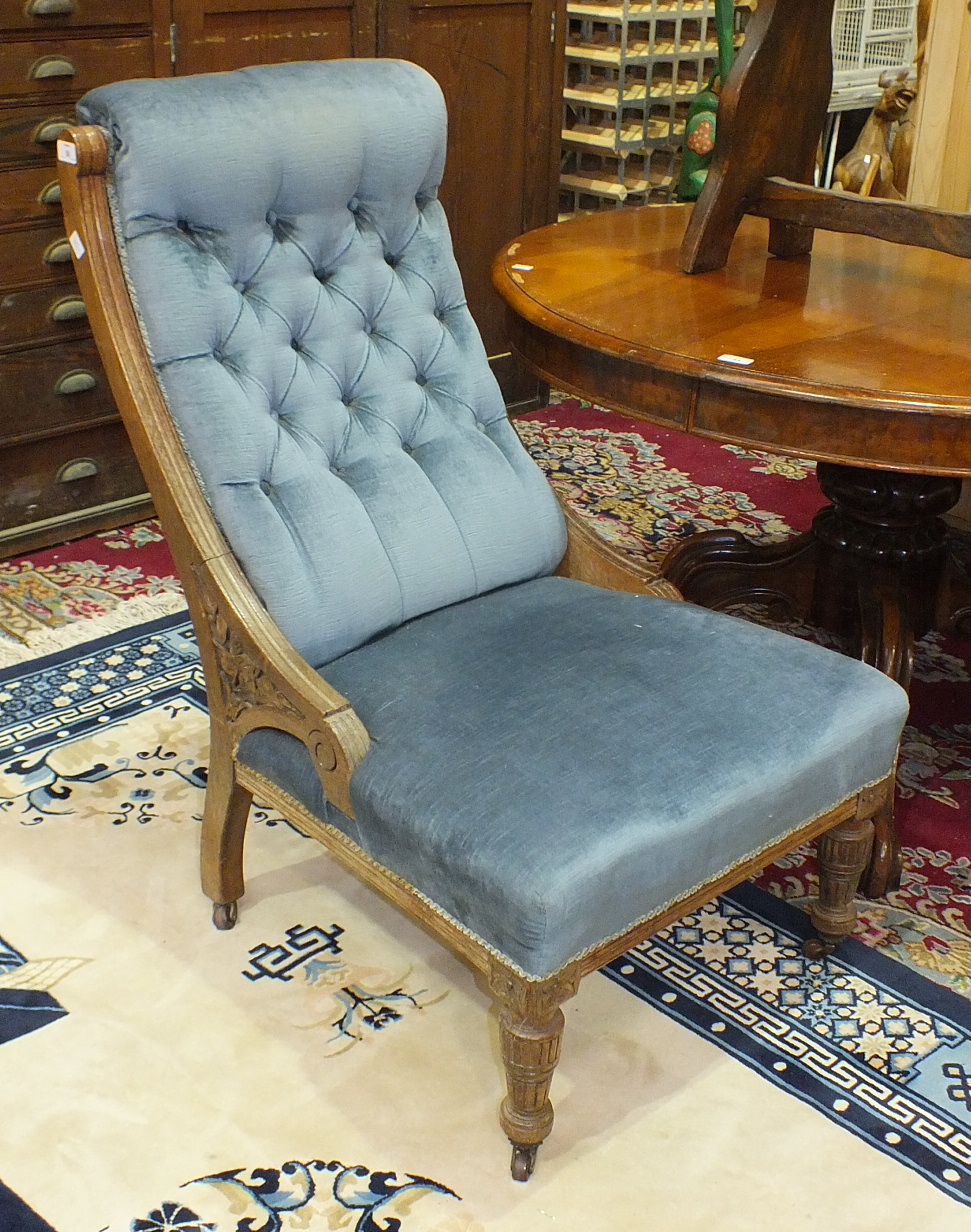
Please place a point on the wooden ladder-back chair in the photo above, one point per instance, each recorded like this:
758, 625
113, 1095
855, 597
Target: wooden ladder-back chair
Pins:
770, 116
521, 740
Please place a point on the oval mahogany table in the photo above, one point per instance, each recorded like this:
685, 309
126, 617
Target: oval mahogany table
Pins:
860, 358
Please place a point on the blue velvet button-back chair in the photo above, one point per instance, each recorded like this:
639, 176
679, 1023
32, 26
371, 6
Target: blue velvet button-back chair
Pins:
410, 650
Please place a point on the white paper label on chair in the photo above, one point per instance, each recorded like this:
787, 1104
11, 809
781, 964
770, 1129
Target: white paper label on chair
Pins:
735, 359
67, 152
77, 244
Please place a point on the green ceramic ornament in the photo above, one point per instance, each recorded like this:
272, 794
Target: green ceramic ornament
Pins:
699, 129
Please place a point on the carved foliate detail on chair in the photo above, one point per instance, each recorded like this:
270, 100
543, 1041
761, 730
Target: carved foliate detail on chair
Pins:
244, 684
533, 1000
872, 799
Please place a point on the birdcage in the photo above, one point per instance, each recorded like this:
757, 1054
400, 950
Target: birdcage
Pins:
870, 37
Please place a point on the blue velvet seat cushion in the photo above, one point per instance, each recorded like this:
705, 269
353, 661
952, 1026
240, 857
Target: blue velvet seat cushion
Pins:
552, 762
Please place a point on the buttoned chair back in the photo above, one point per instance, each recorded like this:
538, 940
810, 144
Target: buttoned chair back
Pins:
310, 331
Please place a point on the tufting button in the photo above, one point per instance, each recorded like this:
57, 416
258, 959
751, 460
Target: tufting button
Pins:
391, 259
265, 487
271, 218
368, 327
354, 205
295, 345
421, 380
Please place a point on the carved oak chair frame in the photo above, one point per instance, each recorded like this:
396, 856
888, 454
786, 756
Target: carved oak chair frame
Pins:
256, 679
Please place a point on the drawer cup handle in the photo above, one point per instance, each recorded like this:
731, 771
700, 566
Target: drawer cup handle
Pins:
50, 194
50, 8
48, 132
78, 381
70, 308
58, 253
80, 468
51, 66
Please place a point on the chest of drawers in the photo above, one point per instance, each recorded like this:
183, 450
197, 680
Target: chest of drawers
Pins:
66, 468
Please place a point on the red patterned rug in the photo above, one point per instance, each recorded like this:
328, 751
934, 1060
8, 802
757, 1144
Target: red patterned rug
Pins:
645, 488
64, 595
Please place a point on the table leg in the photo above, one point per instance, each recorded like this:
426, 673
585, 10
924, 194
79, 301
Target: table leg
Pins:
874, 570
885, 535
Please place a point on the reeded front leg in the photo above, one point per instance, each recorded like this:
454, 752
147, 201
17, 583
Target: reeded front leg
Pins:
843, 853
223, 830
530, 1052
531, 1029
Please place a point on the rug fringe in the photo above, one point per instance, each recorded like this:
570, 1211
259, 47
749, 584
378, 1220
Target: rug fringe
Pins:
129, 612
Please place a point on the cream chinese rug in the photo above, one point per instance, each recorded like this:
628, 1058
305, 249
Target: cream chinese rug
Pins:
326, 1065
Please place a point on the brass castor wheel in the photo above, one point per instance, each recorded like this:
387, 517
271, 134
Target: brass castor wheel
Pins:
224, 915
816, 947
523, 1161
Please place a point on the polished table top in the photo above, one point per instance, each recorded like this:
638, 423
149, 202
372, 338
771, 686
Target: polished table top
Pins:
861, 352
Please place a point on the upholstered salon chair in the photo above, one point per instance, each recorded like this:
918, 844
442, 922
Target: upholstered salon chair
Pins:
410, 650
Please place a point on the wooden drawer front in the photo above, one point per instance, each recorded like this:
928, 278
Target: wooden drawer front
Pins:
56, 14
58, 66
28, 194
51, 478
50, 389
29, 134
38, 254
45, 314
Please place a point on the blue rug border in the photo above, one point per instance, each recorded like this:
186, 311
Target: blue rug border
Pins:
892, 975
29, 1009
83, 725
148, 628
17, 1216
760, 1056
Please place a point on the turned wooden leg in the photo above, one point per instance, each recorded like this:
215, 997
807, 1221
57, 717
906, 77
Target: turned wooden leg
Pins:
223, 830
842, 853
530, 1052
531, 1029
886, 861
